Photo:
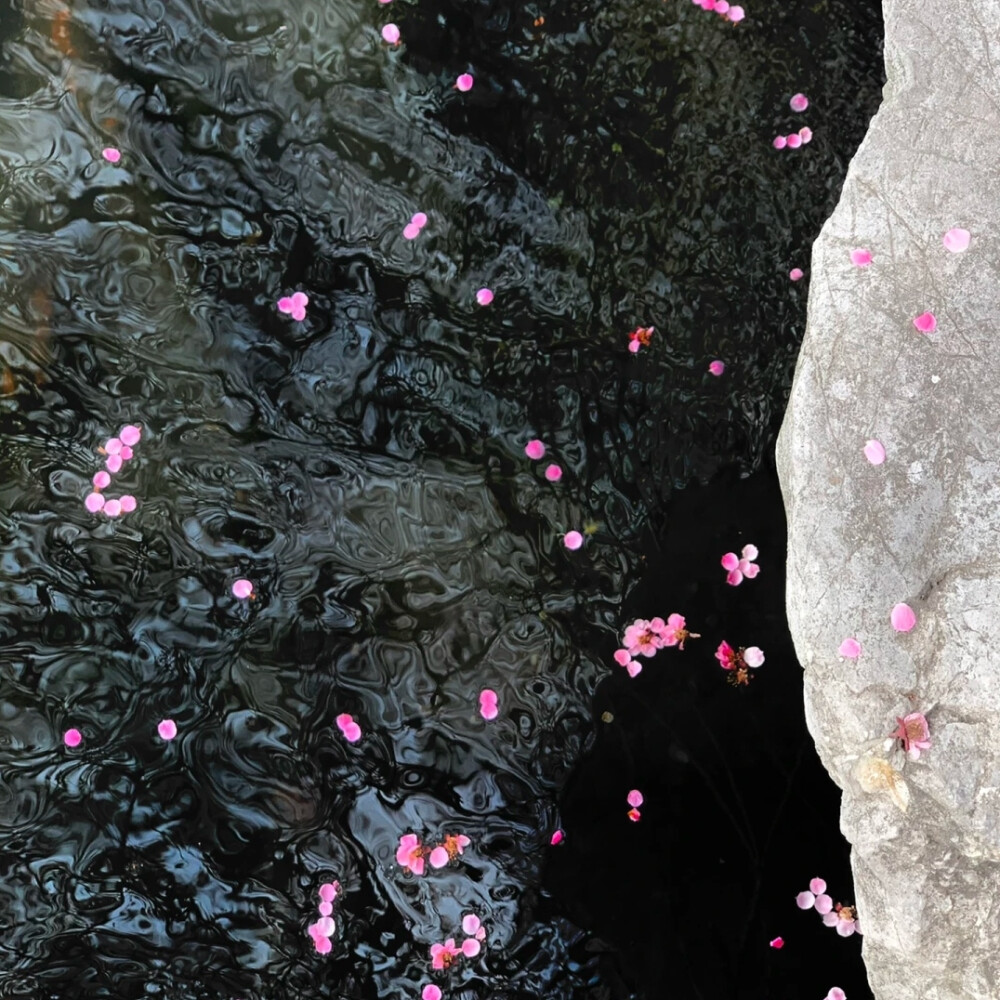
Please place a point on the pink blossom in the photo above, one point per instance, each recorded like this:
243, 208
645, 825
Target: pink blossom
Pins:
843, 919
634, 798
294, 305
572, 540
553, 473
640, 337
347, 726
716, 367
850, 649
875, 452
484, 296
557, 838
643, 638
390, 34
410, 853
741, 566
956, 240
902, 618
799, 102
925, 322
167, 729
111, 154
674, 632
861, 257
442, 955
464, 82
488, 704
726, 655
534, 449
242, 589
914, 733
796, 274
72, 737
778, 942
430, 991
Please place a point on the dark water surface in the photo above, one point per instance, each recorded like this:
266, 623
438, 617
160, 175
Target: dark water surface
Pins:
611, 167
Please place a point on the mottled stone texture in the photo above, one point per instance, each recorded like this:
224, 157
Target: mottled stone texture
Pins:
923, 528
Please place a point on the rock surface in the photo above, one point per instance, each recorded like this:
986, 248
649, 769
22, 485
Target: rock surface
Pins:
922, 528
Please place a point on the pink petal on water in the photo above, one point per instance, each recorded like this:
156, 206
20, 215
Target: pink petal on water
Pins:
861, 257
113, 463
390, 34
328, 892
411, 232
817, 885
716, 367
778, 942
326, 926
484, 296
128, 503
419, 219
298, 313
323, 945
730, 561
805, 900
750, 570
242, 589
850, 649
721, 6
956, 240
875, 452
167, 729
925, 322
94, 502
101, 479
438, 857
126, 453
111, 154
779, 142
488, 705
130, 435
113, 446
734, 578
325, 908
534, 449
799, 102
72, 737
634, 668
464, 82
572, 540
902, 617
471, 947
806, 134
557, 838
633, 346
430, 991
285, 304
824, 904
470, 924
736, 14
831, 919
634, 798
300, 299
794, 140
796, 274
553, 473
113, 508
753, 656
352, 732
622, 656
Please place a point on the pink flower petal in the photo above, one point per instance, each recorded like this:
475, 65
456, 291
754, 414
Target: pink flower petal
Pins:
352, 732
956, 240
794, 140
850, 649
418, 219
805, 134
749, 552
128, 503
634, 798
111, 154
484, 296
730, 561
464, 82
716, 367
113, 463
796, 274
285, 304
126, 453
875, 452
242, 589
572, 540
779, 142
778, 942
534, 449
101, 480
622, 656
902, 618
861, 258
390, 34
411, 232
836, 993
130, 435
553, 473
430, 991
799, 102
824, 903
734, 578
817, 885
326, 926
470, 924
805, 900
736, 14
633, 346
438, 857
557, 838
113, 508
753, 656
634, 668
488, 704
94, 502
167, 729
113, 446
323, 945
328, 890
830, 918
925, 322
72, 737
471, 947
845, 928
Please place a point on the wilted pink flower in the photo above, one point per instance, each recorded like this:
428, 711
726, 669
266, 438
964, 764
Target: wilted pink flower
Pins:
442, 955
914, 733
738, 661
294, 305
741, 566
410, 854
726, 656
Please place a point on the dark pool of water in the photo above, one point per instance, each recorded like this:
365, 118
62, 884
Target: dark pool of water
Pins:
611, 167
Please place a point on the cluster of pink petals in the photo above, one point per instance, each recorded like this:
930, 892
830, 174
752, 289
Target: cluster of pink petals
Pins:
117, 450
739, 659
914, 733
322, 930
645, 638
794, 140
739, 566
488, 704
640, 337
635, 800
728, 11
843, 918
411, 853
412, 229
445, 953
294, 305
350, 729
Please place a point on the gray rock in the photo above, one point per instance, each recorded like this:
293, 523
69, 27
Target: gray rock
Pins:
923, 527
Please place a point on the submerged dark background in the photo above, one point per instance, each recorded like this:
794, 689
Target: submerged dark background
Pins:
611, 167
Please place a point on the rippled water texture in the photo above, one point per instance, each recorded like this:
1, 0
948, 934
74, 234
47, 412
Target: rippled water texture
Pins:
364, 468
